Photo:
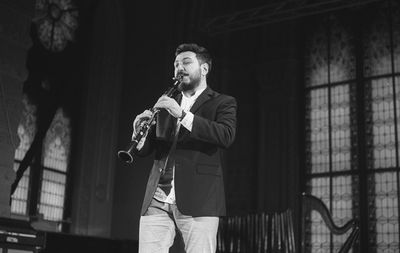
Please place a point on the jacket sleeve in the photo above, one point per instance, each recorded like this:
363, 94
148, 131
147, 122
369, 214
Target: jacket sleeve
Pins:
221, 130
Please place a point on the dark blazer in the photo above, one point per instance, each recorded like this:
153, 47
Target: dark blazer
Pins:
199, 187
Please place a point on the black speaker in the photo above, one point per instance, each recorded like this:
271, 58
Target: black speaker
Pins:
17, 236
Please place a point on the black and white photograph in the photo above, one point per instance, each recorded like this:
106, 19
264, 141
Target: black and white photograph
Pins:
225, 126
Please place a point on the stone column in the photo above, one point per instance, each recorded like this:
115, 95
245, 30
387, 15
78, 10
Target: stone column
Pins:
15, 19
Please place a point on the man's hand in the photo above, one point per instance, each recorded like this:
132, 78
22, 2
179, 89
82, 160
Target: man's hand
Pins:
137, 123
140, 119
170, 105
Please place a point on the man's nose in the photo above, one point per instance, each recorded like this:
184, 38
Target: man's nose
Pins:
179, 66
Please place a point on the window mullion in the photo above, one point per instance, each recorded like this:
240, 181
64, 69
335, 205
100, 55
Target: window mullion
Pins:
330, 125
362, 130
392, 59
36, 174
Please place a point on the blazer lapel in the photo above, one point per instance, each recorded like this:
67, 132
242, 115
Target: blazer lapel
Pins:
206, 95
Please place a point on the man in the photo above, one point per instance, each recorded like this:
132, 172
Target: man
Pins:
185, 191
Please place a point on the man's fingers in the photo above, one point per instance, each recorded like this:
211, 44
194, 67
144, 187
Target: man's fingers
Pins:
141, 117
146, 113
164, 102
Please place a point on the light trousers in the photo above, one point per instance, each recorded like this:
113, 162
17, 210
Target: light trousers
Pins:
160, 223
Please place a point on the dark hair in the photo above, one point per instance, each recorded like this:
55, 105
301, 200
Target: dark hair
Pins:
202, 53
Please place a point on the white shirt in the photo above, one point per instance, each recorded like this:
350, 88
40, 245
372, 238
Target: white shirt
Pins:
187, 122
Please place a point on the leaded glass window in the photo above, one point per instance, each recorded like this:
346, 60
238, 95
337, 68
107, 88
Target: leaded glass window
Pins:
26, 133
352, 80
53, 170
55, 164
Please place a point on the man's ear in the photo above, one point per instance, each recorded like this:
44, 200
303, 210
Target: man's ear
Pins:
204, 69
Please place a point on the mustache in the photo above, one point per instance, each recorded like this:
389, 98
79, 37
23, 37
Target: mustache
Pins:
181, 74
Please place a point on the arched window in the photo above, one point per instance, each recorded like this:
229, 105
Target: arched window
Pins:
45, 194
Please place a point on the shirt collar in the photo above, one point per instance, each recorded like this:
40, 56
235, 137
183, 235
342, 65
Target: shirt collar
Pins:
196, 94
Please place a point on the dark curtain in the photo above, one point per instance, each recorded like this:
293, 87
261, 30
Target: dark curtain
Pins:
93, 171
260, 67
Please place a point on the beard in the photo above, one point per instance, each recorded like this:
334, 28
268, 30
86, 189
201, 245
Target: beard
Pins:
190, 82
